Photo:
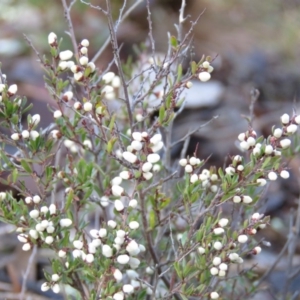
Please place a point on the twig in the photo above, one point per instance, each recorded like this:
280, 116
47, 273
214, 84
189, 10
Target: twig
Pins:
26, 274
151, 32
71, 32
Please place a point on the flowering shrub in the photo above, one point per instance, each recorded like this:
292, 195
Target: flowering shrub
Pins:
123, 219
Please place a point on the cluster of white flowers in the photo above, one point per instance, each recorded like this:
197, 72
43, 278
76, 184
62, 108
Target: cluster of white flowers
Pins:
42, 228
112, 82
204, 75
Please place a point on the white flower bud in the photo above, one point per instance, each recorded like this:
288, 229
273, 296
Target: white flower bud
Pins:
201, 250
117, 190
136, 145
116, 180
62, 253
87, 106
65, 222
277, 132
204, 76
157, 147
55, 277
123, 259
242, 238
137, 136
292, 128
153, 158
118, 296
107, 251
63, 65
272, 176
34, 135
107, 89
125, 175
45, 287
257, 250
284, 174
189, 84
285, 143
92, 66
84, 50
85, 43
118, 275
102, 232
134, 225
223, 222
218, 231
116, 82
230, 170
36, 199
25, 134
23, 238
52, 38
269, 149
89, 258
183, 162
83, 60
133, 248
247, 199
26, 247
34, 214
77, 105
52, 209
112, 224
57, 114
2, 196
194, 178
128, 289
147, 175
55, 288
214, 271
65, 55
216, 261
49, 240
223, 267
33, 233
251, 141
130, 157
244, 145
108, 77
261, 181
193, 161
78, 76
240, 168
156, 139
119, 205
104, 201
214, 295
78, 244
134, 262
188, 169
297, 119
285, 119
12, 89
242, 137
222, 273
28, 200
15, 136
233, 256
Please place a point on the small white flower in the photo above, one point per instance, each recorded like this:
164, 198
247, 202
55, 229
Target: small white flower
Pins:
12, 89
92, 66
269, 149
251, 141
107, 251
65, 55
130, 157
230, 170
26, 247
277, 132
233, 256
112, 224
28, 200
34, 135
123, 259
52, 209
242, 238
36, 199
193, 161
102, 232
85, 43
23, 238
34, 214
223, 267
49, 239
78, 76
116, 180
57, 114
204, 76
117, 190
218, 231
194, 178
214, 177
222, 273
188, 169
134, 262
52, 38
156, 139
116, 82
45, 287
214, 295
15, 136
134, 225
183, 162
78, 244
147, 175
118, 275
272, 176
223, 222
216, 261
292, 128
139, 117
285, 119
156, 168
118, 296
119, 205
133, 203
89, 258
63, 65
201, 250
137, 136
189, 84
284, 174
157, 147
2, 195
108, 77
128, 289
136, 145
240, 168
244, 145
104, 201
33, 233
65, 222
84, 50
247, 199
237, 199
285, 143
77, 105
297, 119
25, 134
107, 89
214, 271
83, 60
55, 277
257, 250
55, 288
87, 106
125, 175
62, 253
242, 137
153, 158
133, 248
261, 181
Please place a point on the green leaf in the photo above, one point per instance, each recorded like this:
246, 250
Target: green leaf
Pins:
173, 41
162, 113
179, 73
112, 122
194, 67
26, 166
